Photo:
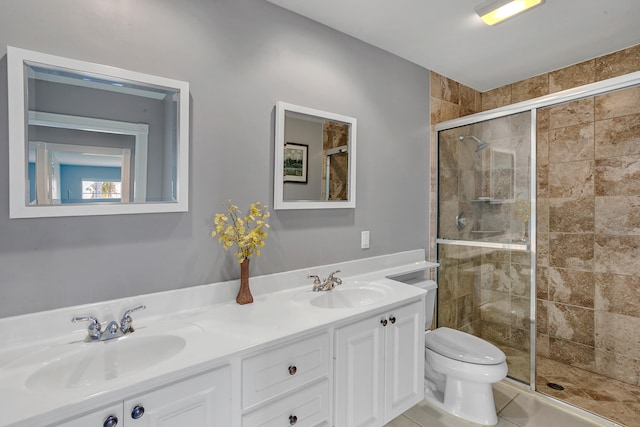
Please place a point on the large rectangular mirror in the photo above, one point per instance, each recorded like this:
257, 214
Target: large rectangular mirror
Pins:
90, 139
315, 159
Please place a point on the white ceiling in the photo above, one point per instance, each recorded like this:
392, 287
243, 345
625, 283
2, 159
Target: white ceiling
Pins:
446, 36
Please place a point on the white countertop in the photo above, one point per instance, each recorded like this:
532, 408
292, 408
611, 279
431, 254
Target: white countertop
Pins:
213, 333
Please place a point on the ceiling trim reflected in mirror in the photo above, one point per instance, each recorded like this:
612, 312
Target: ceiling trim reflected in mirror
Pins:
315, 159
134, 123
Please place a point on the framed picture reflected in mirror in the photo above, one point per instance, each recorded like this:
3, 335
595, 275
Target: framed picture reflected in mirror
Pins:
296, 158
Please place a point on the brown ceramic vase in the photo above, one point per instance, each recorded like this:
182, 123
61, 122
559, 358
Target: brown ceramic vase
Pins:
244, 294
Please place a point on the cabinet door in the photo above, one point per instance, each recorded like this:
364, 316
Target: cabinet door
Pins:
202, 401
404, 359
98, 418
359, 373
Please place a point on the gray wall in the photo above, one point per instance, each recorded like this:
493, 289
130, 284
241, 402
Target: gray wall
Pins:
240, 57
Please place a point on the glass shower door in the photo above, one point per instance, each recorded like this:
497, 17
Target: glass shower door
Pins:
484, 245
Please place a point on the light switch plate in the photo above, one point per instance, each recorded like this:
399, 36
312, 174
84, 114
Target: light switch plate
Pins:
364, 240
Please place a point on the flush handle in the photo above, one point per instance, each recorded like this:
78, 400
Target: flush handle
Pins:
292, 370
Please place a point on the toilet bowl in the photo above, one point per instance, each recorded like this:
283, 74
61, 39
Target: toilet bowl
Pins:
459, 372
460, 368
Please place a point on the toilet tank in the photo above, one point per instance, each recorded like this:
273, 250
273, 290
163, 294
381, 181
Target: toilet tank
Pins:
421, 279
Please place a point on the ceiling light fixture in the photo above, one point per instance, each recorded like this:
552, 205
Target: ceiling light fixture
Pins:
494, 11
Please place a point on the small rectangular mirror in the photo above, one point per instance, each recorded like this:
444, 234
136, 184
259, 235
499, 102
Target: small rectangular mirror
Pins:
90, 139
315, 159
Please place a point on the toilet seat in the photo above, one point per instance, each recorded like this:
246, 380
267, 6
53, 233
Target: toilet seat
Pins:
464, 347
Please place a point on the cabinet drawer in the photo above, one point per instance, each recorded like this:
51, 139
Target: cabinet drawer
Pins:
308, 407
277, 371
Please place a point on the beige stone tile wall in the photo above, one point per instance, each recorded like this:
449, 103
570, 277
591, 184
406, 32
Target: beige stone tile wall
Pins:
594, 70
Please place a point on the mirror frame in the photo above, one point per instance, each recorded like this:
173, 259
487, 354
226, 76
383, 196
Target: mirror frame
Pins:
18, 131
278, 171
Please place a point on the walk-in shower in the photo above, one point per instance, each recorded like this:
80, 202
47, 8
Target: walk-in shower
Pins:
537, 240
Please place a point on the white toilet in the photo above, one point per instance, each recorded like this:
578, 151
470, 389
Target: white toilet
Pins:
460, 368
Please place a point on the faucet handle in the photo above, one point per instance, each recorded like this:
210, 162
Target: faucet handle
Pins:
336, 280
316, 279
126, 321
93, 320
95, 328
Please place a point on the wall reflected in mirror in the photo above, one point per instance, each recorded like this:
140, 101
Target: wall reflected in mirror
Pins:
315, 152
94, 134
316, 158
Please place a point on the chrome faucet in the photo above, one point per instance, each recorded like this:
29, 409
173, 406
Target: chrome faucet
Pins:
326, 285
126, 323
113, 328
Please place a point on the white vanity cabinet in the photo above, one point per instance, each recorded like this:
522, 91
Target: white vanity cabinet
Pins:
201, 401
379, 366
288, 384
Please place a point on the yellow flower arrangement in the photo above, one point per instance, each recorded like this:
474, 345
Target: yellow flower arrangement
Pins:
247, 233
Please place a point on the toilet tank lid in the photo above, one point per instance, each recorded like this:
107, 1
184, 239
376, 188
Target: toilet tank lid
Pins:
461, 346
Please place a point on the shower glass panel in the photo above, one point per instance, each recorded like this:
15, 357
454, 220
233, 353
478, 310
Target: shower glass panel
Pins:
484, 229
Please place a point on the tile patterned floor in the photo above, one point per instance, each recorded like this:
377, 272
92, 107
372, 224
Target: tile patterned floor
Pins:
516, 408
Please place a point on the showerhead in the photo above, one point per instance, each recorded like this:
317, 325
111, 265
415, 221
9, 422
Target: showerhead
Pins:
480, 145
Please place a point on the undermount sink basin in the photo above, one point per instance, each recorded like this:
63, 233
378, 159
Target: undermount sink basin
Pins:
351, 297
103, 361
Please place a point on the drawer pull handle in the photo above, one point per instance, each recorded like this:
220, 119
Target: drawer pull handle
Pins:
137, 412
111, 421
392, 319
384, 322
292, 370
293, 419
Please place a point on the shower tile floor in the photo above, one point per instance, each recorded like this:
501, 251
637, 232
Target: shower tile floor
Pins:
516, 407
606, 397
609, 398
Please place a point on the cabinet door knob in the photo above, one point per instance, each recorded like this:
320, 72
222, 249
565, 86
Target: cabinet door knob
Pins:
137, 412
111, 421
293, 419
384, 322
392, 319
292, 370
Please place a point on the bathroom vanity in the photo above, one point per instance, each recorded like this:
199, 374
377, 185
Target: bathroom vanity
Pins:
352, 356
